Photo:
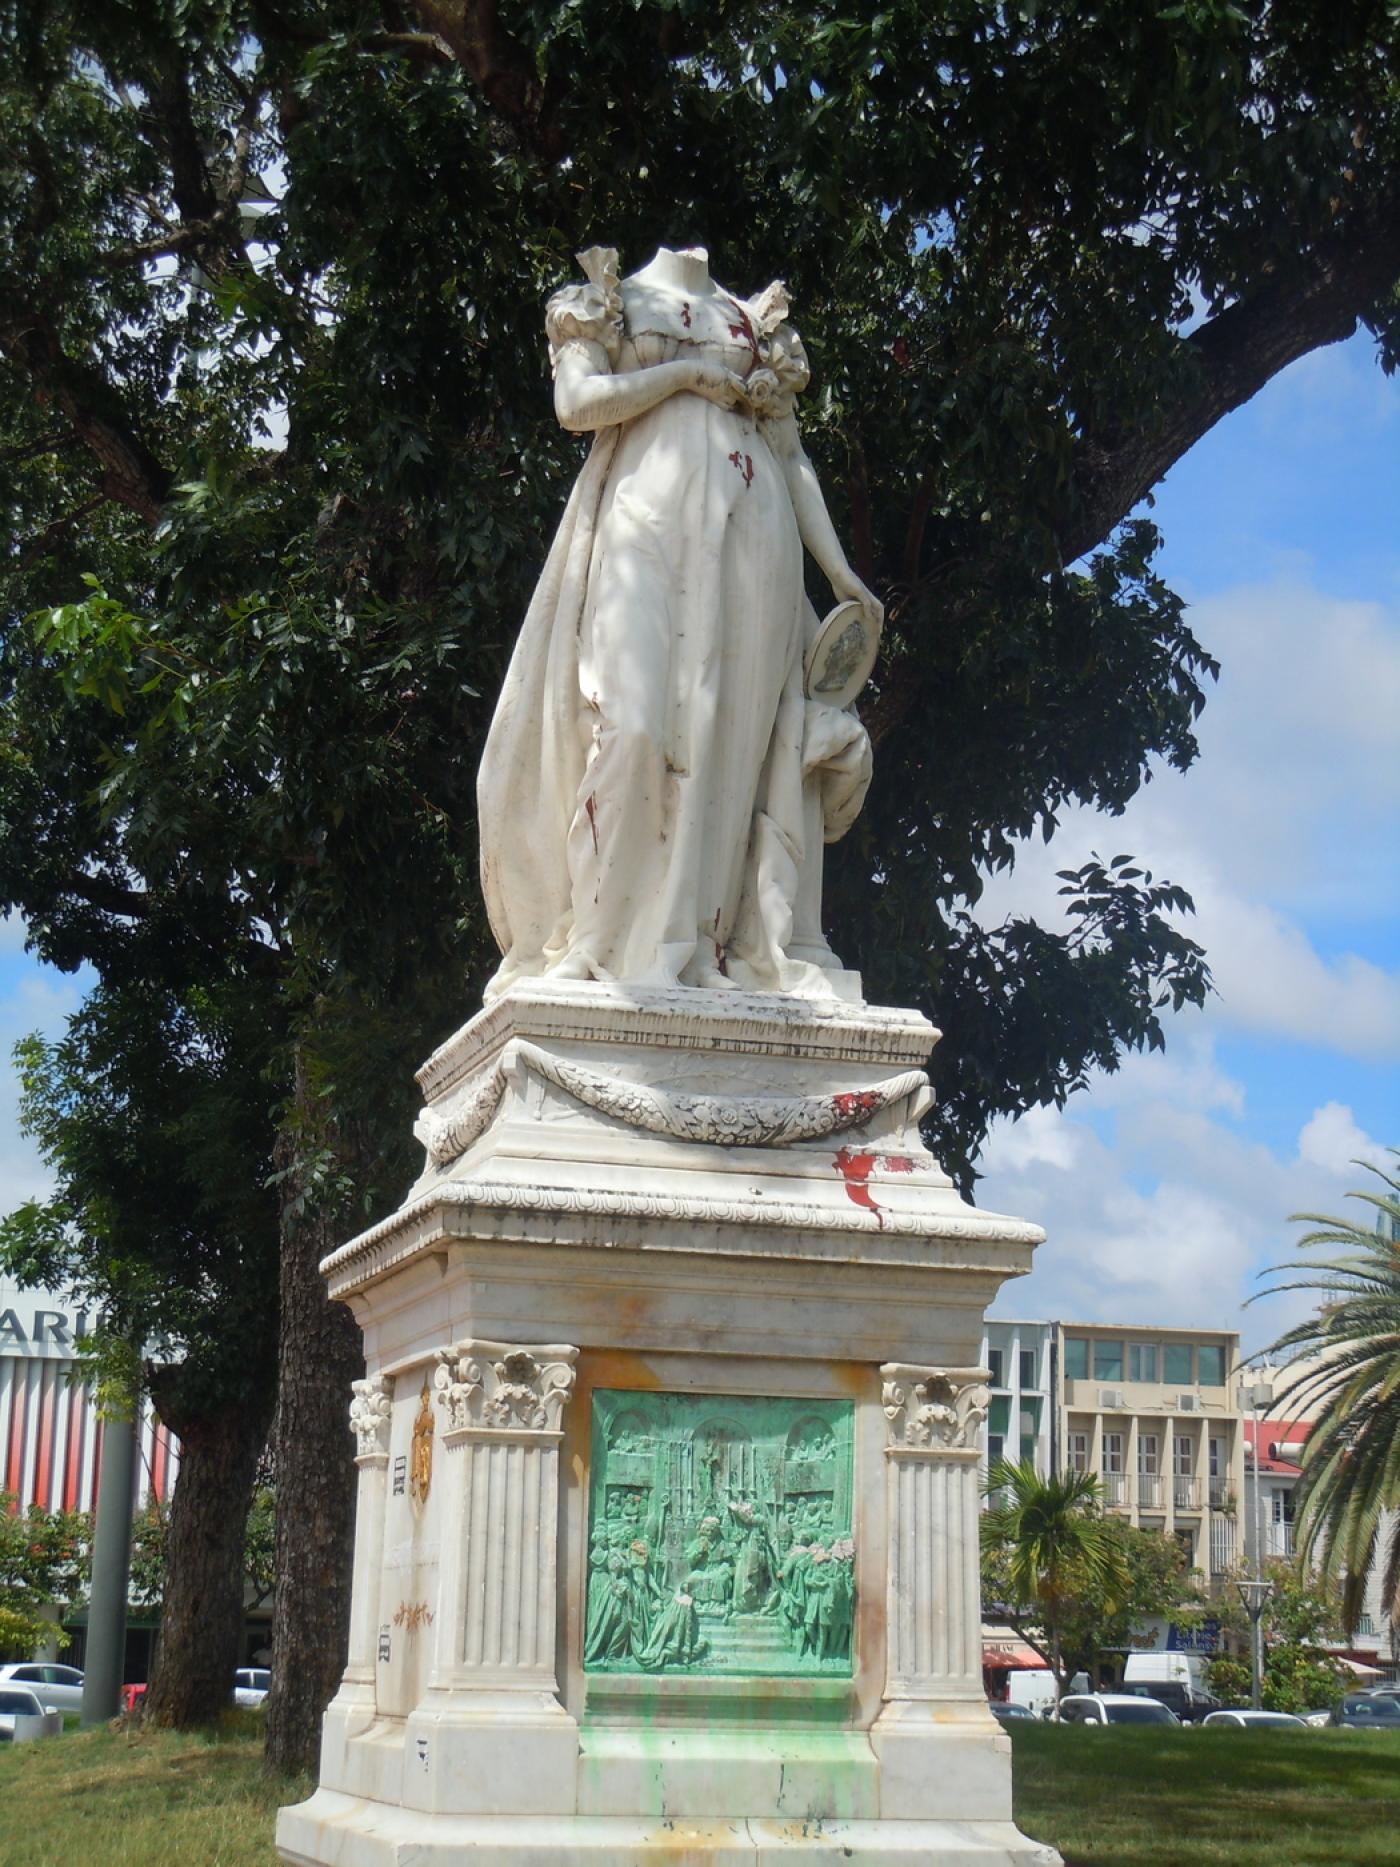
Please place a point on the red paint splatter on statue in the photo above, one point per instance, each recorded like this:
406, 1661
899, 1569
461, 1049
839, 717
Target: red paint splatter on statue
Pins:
744, 463
855, 1104
897, 1163
743, 331
590, 805
685, 315
855, 1170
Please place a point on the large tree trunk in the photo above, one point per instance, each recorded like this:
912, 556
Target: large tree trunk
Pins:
202, 1616
320, 1354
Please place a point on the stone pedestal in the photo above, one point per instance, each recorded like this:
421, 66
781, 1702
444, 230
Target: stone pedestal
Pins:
667, 1537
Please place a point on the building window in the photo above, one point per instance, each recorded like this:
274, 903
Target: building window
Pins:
1176, 1364
1113, 1453
1028, 1368
1365, 1625
996, 1450
1282, 1508
1181, 1455
1030, 1428
994, 1361
1186, 1543
1147, 1455
1142, 1361
1210, 1364
1217, 1458
1078, 1447
1076, 1358
1108, 1361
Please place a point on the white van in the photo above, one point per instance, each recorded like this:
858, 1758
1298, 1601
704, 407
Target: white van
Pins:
1034, 1687
1176, 1679
1188, 1669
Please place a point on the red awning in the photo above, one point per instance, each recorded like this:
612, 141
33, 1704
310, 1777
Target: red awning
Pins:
1004, 1655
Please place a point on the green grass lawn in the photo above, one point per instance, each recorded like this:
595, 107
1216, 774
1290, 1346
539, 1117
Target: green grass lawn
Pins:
102, 1799
1183, 1797
1137, 1798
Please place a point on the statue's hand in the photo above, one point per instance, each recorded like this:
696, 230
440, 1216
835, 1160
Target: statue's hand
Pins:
846, 585
718, 385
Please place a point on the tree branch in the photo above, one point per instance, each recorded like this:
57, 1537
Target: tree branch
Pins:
498, 65
1235, 353
137, 905
129, 471
1228, 359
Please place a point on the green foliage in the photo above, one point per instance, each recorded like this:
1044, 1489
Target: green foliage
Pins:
304, 460
153, 1113
44, 1563
1050, 1556
1303, 1612
1351, 1456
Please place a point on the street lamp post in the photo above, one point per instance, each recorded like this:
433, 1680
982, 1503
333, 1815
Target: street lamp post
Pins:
1256, 1591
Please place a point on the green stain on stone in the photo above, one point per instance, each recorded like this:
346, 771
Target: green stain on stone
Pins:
720, 1535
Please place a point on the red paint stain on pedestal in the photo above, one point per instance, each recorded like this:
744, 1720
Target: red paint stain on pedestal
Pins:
855, 1104
855, 1169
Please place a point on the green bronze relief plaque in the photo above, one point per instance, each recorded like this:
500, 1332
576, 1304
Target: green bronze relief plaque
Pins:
720, 1535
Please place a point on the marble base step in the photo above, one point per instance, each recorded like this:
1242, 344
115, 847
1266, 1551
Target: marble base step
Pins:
333, 1830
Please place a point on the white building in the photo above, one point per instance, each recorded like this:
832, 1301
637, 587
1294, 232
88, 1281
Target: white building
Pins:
1021, 1418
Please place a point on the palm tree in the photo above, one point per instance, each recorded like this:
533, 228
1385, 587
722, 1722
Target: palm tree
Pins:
1055, 1543
1351, 1457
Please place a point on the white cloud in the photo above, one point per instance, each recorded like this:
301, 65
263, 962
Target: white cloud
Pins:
1172, 1223
37, 1001
1284, 831
1332, 1136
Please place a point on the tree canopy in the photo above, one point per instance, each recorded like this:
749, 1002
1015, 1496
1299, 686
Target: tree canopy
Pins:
274, 376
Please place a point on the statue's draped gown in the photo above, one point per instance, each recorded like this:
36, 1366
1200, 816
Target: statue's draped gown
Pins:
654, 782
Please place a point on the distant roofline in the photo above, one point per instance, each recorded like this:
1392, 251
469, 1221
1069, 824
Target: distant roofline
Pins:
1135, 1328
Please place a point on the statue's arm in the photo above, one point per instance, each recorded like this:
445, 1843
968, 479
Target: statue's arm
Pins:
587, 395
813, 520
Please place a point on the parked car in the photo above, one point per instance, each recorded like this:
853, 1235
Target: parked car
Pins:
1367, 1711
17, 1701
1252, 1720
251, 1685
1006, 1713
60, 1687
1112, 1708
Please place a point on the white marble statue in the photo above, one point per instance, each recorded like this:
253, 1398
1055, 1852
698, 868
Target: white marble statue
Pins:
656, 786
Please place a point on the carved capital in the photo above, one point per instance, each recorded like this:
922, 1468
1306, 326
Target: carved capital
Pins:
370, 1407
504, 1386
933, 1409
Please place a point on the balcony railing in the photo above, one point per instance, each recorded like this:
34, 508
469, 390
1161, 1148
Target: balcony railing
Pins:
1115, 1488
1186, 1494
1278, 1540
1219, 1493
1149, 1486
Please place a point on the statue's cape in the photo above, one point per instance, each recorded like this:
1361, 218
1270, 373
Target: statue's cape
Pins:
530, 773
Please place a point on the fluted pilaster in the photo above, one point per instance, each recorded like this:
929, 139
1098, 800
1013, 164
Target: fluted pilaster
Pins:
934, 1620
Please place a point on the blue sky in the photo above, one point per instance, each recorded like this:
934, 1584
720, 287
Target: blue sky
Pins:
1167, 1187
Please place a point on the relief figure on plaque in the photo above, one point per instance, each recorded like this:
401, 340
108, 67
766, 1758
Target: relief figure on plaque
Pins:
745, 1561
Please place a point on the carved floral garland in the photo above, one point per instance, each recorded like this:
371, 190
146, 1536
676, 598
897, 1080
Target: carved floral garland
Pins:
732, 1121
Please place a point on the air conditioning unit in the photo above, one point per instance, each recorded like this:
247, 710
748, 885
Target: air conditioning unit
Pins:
1110, 1397
1188, 1403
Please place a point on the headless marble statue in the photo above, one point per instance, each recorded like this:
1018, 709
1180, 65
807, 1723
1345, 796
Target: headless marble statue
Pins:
656, 788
